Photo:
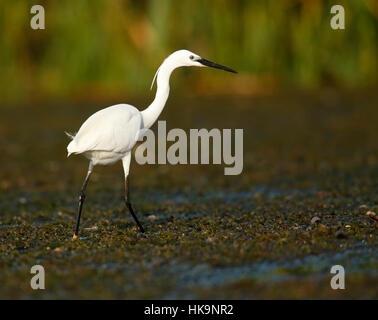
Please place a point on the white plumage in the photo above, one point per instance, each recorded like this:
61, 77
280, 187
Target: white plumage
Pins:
104, 137
110, 134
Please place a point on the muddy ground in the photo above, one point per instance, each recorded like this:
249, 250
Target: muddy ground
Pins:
298, 208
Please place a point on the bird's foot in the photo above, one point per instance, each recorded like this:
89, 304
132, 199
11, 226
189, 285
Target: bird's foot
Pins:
143, 235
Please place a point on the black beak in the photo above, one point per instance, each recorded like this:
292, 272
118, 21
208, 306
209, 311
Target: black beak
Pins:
214, 65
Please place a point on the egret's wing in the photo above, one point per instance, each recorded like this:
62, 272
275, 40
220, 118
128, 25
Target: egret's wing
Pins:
112, 129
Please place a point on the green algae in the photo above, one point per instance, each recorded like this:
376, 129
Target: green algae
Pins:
212, 236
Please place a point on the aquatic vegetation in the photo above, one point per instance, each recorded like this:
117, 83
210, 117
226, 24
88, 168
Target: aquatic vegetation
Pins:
212, 236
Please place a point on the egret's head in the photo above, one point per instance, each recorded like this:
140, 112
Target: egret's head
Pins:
186, 58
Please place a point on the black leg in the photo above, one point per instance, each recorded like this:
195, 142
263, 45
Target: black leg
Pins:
82, 197
128, 205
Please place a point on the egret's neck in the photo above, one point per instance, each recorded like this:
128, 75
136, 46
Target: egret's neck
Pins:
153, 111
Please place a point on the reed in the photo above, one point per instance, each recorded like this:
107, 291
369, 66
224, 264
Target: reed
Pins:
113, 47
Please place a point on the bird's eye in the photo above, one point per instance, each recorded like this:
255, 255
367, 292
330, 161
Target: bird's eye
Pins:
191, 57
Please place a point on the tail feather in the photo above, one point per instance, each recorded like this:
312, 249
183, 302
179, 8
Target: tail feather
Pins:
71, 144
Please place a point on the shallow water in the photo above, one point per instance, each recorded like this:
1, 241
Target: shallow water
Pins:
208, 235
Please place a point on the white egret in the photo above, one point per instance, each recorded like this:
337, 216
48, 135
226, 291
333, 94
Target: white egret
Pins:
110, 134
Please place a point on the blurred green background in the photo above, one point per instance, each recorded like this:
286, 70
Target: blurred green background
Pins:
102, 49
